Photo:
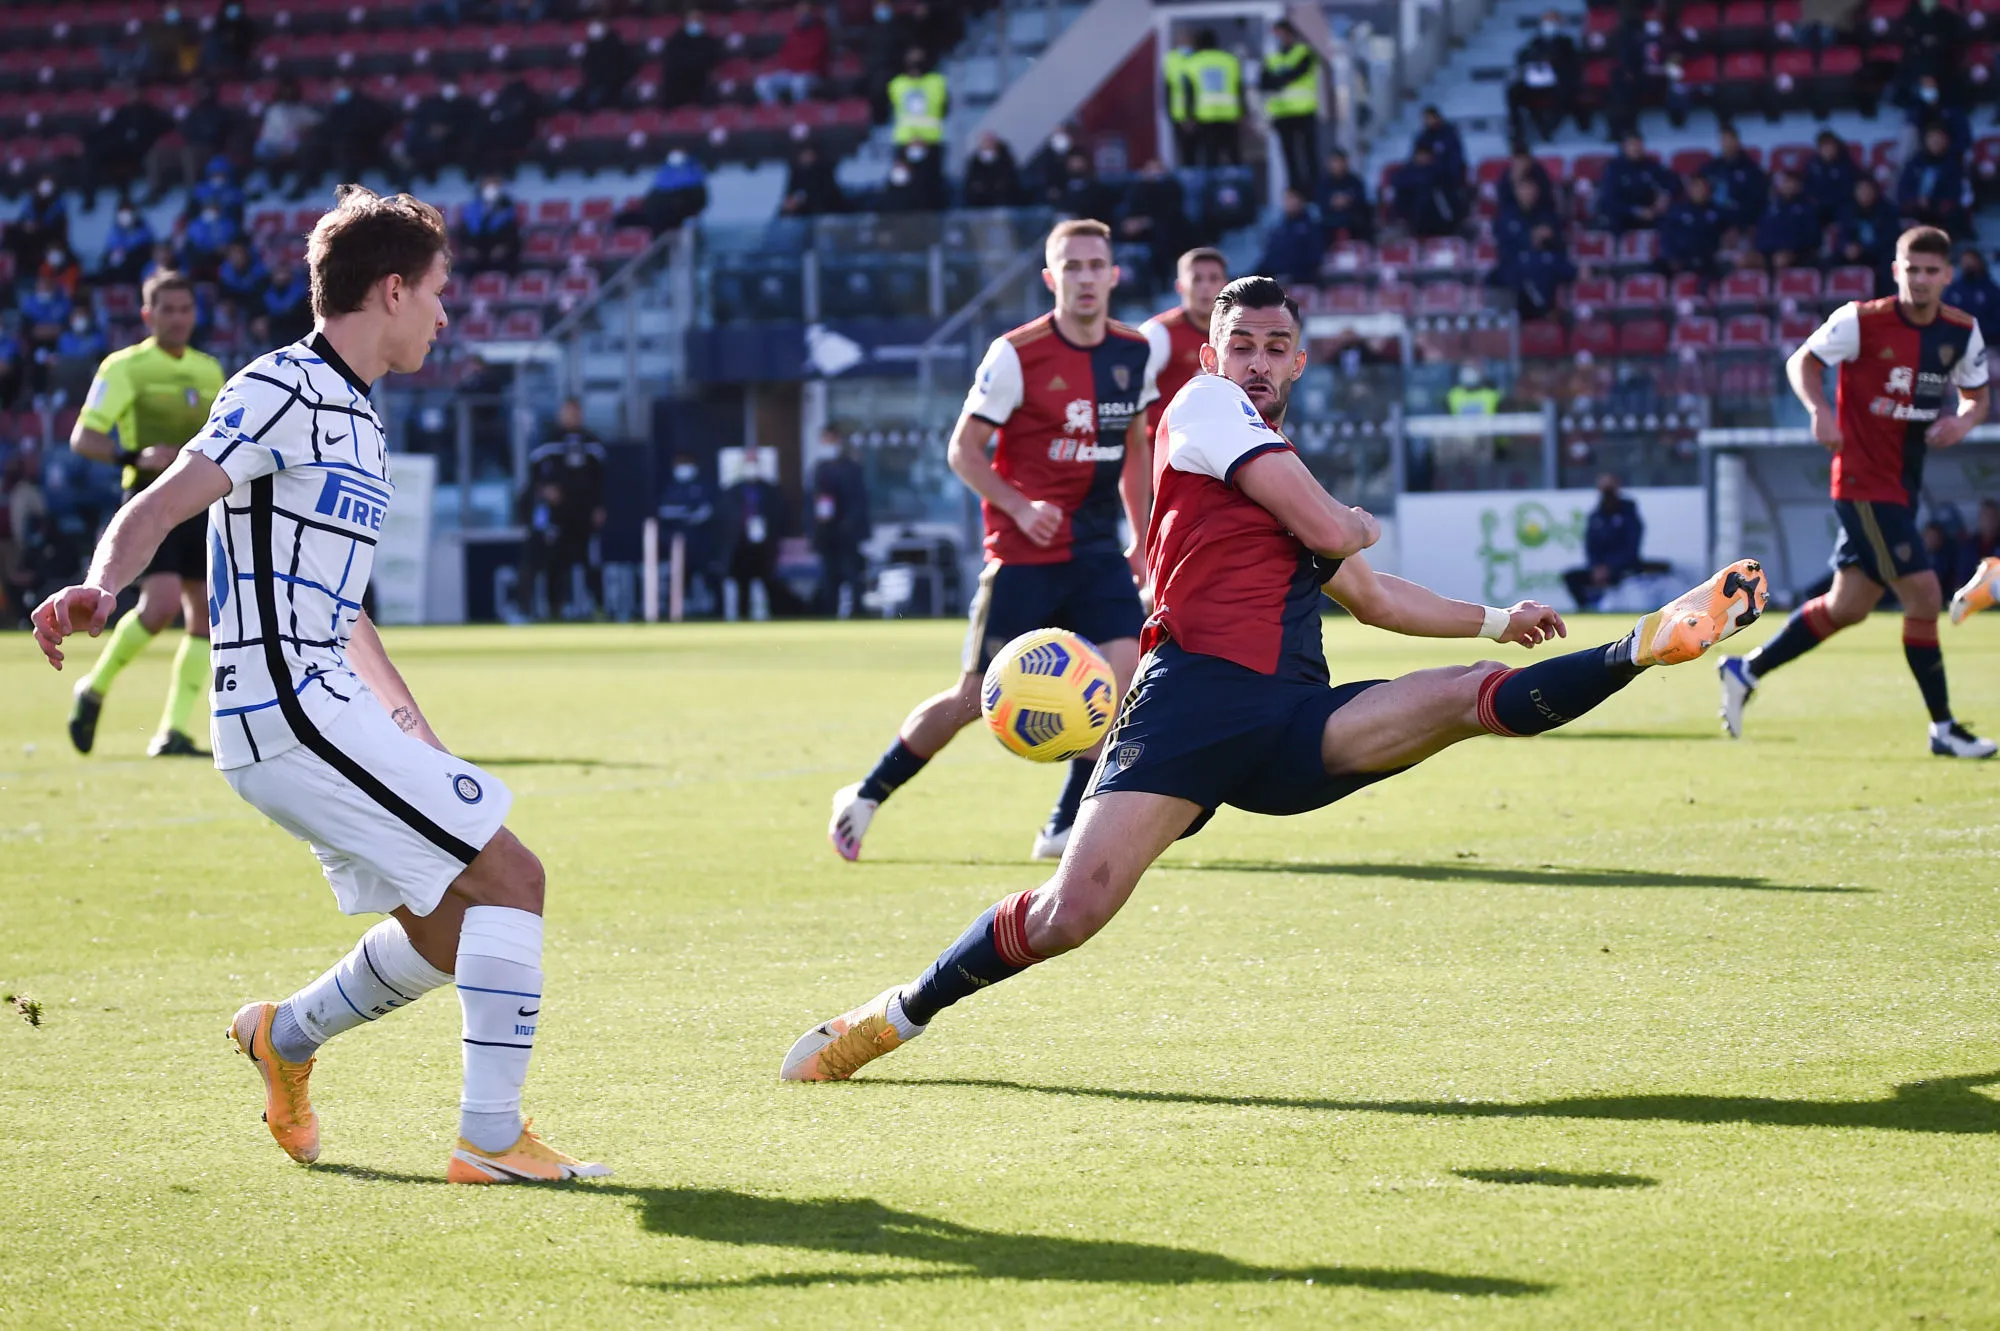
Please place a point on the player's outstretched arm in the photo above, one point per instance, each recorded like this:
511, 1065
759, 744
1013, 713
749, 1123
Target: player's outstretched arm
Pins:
1384, 601
1038, 521
127, 546
1280, 482
371, 661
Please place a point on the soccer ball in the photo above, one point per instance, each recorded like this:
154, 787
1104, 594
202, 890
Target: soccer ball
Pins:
1049, 695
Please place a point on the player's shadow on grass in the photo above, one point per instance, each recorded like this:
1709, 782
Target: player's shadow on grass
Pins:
1556, 1178
532, 761
1948, 1105
860, 1227
1548, 876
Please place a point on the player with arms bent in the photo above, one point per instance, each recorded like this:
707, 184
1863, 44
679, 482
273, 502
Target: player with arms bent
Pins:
1897, 357
312, 724
145, 403
1232, 704
1179, 334
1063, 402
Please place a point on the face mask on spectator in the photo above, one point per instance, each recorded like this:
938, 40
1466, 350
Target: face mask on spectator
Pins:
696, 28
1059, 141
684, 472
80, 323
211, 214
1928, 94
490, 193
597, 32
899, 175
1550, 29
126, 217
450, 92
917, 152
884, 13
1652, 27
46, 188
987, 154
343, 94
1468, 377
57, 258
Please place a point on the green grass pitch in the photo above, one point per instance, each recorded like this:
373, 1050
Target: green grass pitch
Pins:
1624, 1026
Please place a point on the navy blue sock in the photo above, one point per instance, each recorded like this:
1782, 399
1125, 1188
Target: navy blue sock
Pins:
898, 765
1926, 658
994, 948
1552, 693
1071, 799
1809, 626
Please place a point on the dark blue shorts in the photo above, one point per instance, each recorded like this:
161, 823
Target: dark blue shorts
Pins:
1880, 539
1091, 595
1213, 732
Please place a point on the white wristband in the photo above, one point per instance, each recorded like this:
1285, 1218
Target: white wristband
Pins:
1496, 623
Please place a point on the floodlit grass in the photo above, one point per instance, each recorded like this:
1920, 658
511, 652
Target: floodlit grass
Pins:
1628, 1025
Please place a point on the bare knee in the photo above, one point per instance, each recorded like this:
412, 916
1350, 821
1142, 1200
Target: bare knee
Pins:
1921, 596
155, 613
1071, 909
506, 873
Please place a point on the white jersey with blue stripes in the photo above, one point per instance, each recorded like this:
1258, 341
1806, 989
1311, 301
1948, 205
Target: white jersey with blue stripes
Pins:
290, 547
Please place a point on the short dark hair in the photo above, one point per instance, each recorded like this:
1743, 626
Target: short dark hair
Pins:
1253, 293
1924, 240
1203, 254
366, 238
164, 279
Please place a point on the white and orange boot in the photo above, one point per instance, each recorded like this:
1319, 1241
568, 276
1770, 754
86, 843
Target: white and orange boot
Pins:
835, 1050
528, 1160
1980, 591
1690, 624
288, 1110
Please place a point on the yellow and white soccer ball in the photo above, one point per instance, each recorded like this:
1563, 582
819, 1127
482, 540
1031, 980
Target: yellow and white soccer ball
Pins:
1049, 695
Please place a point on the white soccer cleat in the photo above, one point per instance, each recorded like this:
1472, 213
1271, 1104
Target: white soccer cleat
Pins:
1981, 591
1949, 739
1737, 686
1050, 845
851, 816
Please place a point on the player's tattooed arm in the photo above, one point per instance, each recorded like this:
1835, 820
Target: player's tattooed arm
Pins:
371, 661
406, 719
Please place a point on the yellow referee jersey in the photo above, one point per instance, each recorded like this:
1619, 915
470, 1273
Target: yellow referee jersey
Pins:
144, 396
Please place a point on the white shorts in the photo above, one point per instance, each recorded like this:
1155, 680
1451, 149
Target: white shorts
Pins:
392, 819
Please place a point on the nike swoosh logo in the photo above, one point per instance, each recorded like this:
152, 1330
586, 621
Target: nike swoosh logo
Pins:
527, 1011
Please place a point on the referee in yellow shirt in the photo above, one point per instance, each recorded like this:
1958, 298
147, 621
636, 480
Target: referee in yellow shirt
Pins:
145, 403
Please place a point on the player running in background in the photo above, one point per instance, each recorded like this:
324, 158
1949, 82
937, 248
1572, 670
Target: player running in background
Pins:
314, 727
1897, 356
1178, 335
1232, 704
146, 401
1062, 402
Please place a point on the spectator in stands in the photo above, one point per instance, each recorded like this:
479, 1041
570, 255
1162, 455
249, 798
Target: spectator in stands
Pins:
349, 138
435, 134
937, 28
281, 140
45, 308
679, 191
283, 309
916, 181
1344, 209
1635, 191
161, 258
1830, 176
1973, 290
1082, 193
687, 510
1216, 77
919, 100
13, 369
686, 62
126, 245
1539, 273
1290, 80
608, 65
1523, 210
1426, 197
753, 519
207, 130
1691, 232
1472, 395
1521, 165
219, 188
1294, 245
992, 180
170, 49
800, 65
1635, 49
60, 267
82, 341
1612, 538
1934, 41
489, 230
1867, 230
1932, 186
1154, 214
1928, 107
207, 237
841, 526
1789, 233
1447, 149
509, 130
1548, 82
887, 36
1741, 190
115, 150
43, 221
240, 279
1178, 92
1048, 169
232, 38
811, 189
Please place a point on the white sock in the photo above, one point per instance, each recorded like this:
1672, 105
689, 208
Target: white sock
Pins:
500, 991
905, 1028
381, 974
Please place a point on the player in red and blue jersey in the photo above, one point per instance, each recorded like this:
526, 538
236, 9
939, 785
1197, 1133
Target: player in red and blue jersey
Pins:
1061, 401
1179, 334
1912, 377
1233, 703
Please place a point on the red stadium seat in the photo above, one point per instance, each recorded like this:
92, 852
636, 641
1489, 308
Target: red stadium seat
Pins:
1638, 247
1444, 254
1744, 67
1688, 292
1799, 284
1349, 257
1597, 336
1747, 332
554, 212
1396, 254
521, 326
629, 242
1642, 337
489, 287
533, 287
121, 302
543, 245
1693, 333
1746, 17
1688, 161
1699, 22
1543, 339
599, 210
1791, 158
1642, 291
1395, 298
478, 326
1854, 283
1348, 298
1593, 247
1440, 298
1798, 66
1593, 293
1589, 167
1839, 62
1744, 287
1701, 70
1794, 329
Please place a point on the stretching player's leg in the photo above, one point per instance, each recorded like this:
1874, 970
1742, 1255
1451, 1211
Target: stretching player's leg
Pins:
1117, 837
159, 597
1123, 656
190, 678
1923, 598
1850, 600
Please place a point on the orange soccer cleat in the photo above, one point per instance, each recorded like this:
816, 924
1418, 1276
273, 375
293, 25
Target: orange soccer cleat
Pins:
529, 1160
288, 1110
837, 1049
1980, 591
1689, 625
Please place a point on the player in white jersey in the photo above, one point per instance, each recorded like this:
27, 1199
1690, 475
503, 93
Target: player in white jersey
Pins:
310, 721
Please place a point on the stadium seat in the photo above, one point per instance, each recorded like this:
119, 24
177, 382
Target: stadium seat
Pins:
1747, 332
1642, 337
521, 326
1594, 293
1688, 292
1349, 257
1638, 248
477, 326
1750, 287
1444, 254
533, 287
1852, 283
1693, 333
1543, 339
1593, 247
1642, 291
1597, 336
1395, 298
554, 212
629, 242
542, 245
1399, 255
489, 287
1347, 298
1795, 328
1440, 298
1799, 284
1791, 158
1688, 161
